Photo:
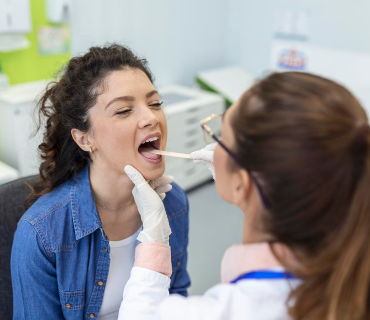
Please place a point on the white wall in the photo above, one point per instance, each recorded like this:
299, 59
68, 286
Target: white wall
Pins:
177, 37
181, 37
339, 24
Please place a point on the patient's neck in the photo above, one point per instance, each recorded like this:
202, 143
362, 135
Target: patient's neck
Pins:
115, 203
112, 189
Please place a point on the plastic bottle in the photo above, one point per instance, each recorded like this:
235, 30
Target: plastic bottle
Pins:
289, 47
4, 83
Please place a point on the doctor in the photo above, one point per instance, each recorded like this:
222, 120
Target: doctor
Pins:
294, 156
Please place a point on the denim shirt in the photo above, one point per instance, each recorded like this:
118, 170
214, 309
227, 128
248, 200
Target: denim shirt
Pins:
60, 254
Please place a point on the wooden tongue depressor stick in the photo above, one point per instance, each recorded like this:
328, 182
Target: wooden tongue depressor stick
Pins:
171, 154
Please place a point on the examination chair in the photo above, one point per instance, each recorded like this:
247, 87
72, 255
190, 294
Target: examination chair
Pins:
12, 197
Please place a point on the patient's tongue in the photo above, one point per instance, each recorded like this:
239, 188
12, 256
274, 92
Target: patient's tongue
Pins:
145, 151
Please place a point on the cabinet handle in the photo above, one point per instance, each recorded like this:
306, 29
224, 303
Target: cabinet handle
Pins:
192, 110
9, 20
190, 171
192, 132
191, 143
191, 120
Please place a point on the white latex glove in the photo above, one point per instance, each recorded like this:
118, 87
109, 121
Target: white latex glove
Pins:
162, 185
150, 206
205, 156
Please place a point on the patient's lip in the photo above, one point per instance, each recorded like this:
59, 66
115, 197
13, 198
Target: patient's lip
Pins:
150, 157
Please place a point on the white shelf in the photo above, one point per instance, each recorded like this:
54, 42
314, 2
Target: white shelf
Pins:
7, 173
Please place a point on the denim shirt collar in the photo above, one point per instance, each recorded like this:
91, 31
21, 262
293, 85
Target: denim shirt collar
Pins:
84, 213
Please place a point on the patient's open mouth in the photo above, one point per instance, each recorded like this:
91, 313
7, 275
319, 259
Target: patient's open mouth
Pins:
148, 145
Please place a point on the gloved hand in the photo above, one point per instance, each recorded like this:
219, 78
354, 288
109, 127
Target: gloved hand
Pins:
205, 156
150, 206
162, 185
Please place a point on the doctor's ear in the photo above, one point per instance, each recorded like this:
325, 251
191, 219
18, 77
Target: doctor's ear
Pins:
242, 186
83, 140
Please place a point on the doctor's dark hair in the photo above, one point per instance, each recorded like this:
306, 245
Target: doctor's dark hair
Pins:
65, 106
307, 139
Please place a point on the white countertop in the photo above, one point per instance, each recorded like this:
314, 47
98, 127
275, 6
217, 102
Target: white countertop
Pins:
24, 92
7, 173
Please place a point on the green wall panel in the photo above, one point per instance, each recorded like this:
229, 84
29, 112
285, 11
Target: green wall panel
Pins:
28, 65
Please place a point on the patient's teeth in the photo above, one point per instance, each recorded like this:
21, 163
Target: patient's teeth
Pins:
151, 139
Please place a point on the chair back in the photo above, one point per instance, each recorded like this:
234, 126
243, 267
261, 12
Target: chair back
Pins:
12, 197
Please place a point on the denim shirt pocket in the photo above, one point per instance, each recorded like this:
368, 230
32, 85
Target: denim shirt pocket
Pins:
72, 301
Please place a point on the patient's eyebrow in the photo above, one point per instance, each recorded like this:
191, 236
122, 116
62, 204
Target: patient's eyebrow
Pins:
122, 98
130, 98
151, 93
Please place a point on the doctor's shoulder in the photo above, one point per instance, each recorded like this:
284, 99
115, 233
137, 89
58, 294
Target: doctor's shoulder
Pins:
247, 300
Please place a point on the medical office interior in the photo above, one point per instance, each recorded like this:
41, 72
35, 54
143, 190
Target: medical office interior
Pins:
203, 54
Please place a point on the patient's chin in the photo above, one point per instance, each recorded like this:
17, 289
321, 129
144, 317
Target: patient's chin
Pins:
153, 174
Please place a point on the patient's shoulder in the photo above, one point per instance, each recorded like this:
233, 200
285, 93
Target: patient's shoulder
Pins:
176, 201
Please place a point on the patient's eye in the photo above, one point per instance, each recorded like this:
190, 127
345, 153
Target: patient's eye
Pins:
157, 104
123, 111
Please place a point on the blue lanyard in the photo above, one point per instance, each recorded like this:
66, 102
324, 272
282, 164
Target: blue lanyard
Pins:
264, 274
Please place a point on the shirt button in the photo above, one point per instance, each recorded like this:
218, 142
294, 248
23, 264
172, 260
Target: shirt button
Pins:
68, 306
178, 264
100, 283
105, 250
91, 316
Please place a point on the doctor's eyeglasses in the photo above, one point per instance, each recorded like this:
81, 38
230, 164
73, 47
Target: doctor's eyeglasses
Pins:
212, 132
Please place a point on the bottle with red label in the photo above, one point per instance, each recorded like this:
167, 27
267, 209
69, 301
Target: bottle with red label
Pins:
289, 46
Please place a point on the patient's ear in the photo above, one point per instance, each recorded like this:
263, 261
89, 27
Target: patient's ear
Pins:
83, 139
241, 187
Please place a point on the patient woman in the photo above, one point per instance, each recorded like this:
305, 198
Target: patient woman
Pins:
74, 247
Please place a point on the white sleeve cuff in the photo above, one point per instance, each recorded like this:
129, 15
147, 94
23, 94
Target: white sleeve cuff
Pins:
139, 274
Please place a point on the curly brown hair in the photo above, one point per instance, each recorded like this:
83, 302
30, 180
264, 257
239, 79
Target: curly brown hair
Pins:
65, 106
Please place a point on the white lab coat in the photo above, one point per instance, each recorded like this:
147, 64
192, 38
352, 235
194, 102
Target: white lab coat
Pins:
146, 296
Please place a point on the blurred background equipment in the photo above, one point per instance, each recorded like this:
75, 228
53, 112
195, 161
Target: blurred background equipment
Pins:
18, 142
57, 11
292, 51
229, 82
185, 108
15, 22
